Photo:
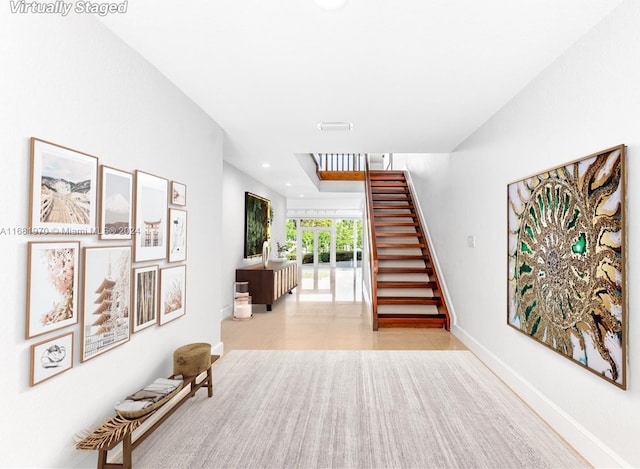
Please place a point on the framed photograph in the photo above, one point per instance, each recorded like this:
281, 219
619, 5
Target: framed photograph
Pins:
177, 247
566, 261
151, 217
107, 299
63, 189
173, 283
52, 286
145, 297
51, 357
116, 204
178, 193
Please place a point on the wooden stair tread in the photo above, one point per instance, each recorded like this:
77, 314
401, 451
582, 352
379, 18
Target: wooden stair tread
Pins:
401, 257
388, 184
402, 284
405, 270
399, 234
409, 300
401, 245
399, 223
390, 199
393, 207
393, 215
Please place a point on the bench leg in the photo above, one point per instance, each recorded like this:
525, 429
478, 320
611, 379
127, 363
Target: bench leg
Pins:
210, 382
126, 451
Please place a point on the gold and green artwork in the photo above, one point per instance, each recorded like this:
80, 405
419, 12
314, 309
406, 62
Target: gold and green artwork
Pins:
566, 268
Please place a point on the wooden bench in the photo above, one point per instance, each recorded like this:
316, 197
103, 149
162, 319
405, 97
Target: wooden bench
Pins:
129, 440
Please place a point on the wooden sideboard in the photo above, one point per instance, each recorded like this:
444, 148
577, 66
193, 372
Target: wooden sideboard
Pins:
268, 284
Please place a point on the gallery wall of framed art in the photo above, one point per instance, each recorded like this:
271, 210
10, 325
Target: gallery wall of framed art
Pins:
111, 290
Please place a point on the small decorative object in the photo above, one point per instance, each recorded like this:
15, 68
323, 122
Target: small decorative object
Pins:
178, 193
52, 286
107, 299
266, 252
566, 270
282, 250
173, 283
63, 189
242, 301
116, 197
51, 357
256, 224
151, 217
148, 399
177, 246
145, 297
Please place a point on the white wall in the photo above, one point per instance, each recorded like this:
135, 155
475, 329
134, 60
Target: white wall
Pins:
586, 101
70, 81
235, 184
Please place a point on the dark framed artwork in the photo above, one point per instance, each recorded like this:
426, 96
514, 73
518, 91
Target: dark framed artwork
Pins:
257, 211
52, 286
173, 284
51, 357
177, 246
107, 299
151, 217
566, 261
116, 203
63, 189
145, 297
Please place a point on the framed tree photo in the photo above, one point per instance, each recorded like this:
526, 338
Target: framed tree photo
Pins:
173, 283
63, 189
116, 203
151, 217
51, 357
145, 297
52, 286
107, 299
566, 261
178, 193
177, 246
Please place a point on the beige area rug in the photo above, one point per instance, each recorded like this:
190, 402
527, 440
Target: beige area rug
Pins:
355, 409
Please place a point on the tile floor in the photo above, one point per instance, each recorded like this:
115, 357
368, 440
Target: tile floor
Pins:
326, 312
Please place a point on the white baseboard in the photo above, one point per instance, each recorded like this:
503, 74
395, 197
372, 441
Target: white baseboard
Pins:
583, 441
217, 349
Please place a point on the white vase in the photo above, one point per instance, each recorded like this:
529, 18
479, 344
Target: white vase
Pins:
266, 252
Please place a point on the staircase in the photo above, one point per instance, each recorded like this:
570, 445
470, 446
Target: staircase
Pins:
406, 289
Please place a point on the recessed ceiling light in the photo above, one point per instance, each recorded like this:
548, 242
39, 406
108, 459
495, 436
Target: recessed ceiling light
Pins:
301, 195
288, 184
266, 165
330, 4
342, 126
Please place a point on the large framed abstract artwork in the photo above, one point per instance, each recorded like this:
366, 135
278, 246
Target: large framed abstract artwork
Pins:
566, 261
257, 211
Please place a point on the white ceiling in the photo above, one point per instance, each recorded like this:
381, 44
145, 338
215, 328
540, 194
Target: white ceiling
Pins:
412, 75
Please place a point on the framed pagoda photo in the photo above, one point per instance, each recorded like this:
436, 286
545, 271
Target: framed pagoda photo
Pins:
567, 284
107, 299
